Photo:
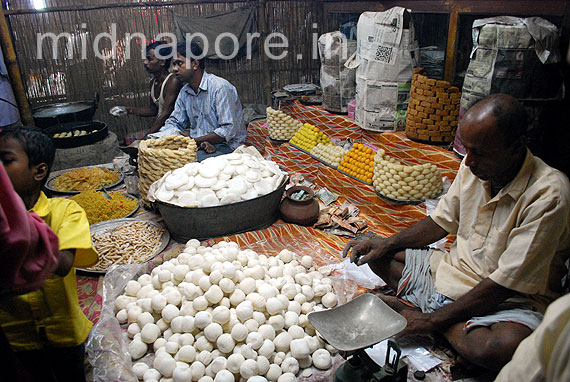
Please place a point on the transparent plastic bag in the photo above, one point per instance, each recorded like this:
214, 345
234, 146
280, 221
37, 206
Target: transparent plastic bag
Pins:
107, 342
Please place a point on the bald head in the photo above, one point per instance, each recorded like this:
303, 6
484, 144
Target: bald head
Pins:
492, 133
509, 116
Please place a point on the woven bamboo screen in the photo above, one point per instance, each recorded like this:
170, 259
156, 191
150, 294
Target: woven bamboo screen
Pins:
125, 82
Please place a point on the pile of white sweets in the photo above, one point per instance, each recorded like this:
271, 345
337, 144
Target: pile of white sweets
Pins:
281, 126
224, 179
222, 314
405, 183
331, 154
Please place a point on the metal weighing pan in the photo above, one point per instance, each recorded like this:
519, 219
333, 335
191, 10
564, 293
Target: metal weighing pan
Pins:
109, 224
358, 324
49, 184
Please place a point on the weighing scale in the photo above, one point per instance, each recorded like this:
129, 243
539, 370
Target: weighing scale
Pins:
357, 325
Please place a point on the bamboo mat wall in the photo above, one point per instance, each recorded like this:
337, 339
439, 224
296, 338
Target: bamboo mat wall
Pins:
125, 82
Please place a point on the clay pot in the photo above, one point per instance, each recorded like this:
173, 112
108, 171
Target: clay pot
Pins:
302, 212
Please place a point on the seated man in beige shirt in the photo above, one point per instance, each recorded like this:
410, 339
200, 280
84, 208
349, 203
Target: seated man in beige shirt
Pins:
510, 213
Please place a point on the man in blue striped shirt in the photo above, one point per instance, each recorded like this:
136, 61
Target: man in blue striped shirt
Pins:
207, 109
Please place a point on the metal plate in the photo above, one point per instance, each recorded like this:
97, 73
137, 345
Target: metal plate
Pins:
358, 324
101, 227
130, 213
50, 187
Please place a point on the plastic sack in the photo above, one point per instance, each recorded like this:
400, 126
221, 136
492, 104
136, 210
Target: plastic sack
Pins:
361, 275
107, 342
337, 81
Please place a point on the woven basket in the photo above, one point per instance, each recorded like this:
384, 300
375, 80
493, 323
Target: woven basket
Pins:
158, 156
433, 110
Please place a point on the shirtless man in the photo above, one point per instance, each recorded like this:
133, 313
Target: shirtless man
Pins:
164, 88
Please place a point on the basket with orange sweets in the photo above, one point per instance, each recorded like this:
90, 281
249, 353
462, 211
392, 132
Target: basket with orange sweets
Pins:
359, 162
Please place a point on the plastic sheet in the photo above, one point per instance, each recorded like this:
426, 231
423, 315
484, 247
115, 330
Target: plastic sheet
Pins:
107, 342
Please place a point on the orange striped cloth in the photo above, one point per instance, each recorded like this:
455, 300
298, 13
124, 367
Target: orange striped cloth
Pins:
384, 218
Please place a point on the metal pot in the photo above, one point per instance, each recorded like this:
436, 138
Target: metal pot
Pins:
96, 131
185, 223
58, 113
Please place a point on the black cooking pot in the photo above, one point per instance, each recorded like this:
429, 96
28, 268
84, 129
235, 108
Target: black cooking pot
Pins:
94, 131
58, 113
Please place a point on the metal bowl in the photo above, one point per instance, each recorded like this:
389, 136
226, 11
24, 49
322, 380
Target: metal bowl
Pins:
186, 223
58, 113
96, 131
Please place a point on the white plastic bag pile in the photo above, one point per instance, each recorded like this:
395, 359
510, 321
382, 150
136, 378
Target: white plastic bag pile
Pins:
224, 179
222, 314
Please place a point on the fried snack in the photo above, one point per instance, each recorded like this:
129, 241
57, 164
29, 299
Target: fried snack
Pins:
98, 208
84, 179
129, 243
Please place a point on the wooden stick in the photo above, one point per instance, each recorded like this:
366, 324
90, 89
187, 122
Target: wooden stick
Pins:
14, 72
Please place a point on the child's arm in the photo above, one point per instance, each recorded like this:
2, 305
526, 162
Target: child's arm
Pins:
28, 247
66, 259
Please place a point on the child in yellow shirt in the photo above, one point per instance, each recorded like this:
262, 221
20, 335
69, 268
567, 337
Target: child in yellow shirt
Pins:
47, 328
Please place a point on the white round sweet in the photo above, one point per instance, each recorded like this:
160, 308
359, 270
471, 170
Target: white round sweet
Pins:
247, 351
274, 306
169, 312
133, 329
202, 319
186, 353
205, 357
225, 343
248, 368
150, 333
247, 285
198, 370
224, 376
221, 315
139, 369
239, 332
182, 374
171, 347
213, 331
277, 321
214, 294
322, 359
227, 285
274, 372
257, 301
237, 297
234, 362
267, 331
244, 310
329, 300
151, 375
290, 365
132, 288
282, 342
254, 339
296, 332
299, 348
267, 348
291, 318
137, 349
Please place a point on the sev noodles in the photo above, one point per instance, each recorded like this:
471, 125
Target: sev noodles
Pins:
98, 208
83, 179
129, 243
